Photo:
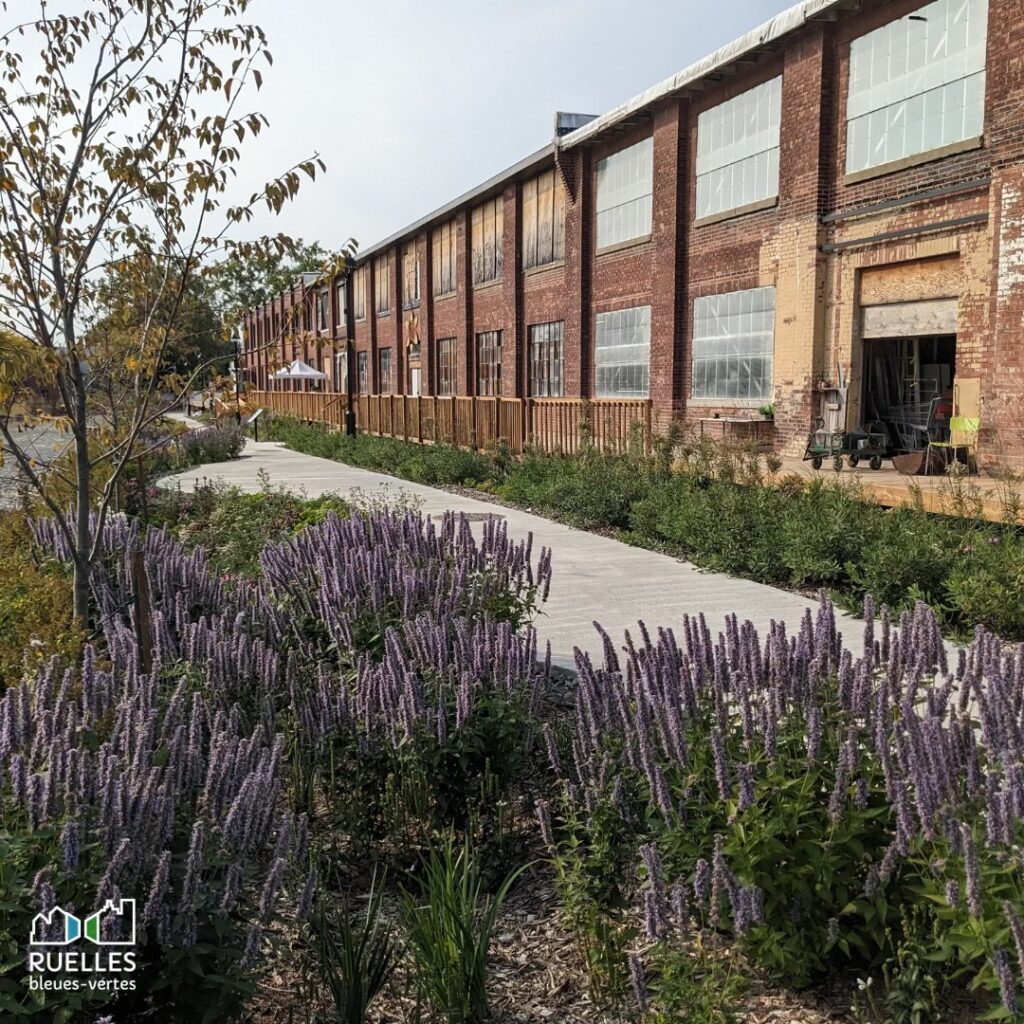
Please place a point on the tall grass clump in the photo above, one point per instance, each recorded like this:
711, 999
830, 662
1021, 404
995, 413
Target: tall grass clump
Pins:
449, 919
356, 955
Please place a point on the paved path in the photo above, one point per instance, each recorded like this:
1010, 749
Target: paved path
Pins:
595, 578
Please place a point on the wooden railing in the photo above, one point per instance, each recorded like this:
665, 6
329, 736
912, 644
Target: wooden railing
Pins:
552, 424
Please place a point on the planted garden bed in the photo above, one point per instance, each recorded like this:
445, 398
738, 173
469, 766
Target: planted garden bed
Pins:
331, 777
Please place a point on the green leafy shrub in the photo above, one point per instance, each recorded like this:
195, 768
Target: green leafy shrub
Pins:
700, 982
590, 490
716, 523
907, 557
235, 526
437, 465
986, 584
36, 620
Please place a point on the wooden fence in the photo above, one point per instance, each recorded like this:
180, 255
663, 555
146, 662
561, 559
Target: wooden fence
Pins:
553, 424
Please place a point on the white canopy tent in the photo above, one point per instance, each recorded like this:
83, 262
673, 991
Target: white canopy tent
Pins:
298, 370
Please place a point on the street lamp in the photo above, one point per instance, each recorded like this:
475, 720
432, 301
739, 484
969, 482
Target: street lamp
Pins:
237, 371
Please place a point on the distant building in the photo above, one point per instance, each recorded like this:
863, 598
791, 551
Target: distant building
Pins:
838, 194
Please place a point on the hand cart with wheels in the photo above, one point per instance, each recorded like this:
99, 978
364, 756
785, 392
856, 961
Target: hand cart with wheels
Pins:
825, 444
856, 445
870, 447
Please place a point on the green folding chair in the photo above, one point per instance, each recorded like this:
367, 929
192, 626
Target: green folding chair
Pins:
963, 433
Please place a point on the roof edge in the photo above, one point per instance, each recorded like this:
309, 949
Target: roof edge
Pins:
774, 28
450, 207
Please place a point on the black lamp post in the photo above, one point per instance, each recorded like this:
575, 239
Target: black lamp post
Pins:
238, 400
350, 360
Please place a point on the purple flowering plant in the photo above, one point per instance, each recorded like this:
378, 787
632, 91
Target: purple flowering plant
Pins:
804, 793
163, 766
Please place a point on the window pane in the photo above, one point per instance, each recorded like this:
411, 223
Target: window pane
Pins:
622, 353
738, 150
488, 348
546, 360
733, 345
917, 85
624, 194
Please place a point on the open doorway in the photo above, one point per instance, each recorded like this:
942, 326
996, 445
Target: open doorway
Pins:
908, 388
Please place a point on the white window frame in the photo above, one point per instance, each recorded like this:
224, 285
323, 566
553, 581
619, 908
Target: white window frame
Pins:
731, 332
625, 195
917, 84
622, 363
738, 151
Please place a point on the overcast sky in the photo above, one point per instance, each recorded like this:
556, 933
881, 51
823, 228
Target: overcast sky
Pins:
411, 102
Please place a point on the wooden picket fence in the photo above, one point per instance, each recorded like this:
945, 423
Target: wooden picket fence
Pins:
552, 424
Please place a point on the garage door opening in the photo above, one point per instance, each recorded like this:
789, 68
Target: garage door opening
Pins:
909, 368
908, 388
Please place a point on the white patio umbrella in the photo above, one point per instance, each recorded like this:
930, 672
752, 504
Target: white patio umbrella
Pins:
298, 370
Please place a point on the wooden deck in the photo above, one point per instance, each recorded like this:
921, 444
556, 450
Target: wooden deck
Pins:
974, 496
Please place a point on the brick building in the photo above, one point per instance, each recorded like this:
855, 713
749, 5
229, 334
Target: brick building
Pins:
837, 198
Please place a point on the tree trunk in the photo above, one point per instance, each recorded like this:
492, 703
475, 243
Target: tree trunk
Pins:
83, 478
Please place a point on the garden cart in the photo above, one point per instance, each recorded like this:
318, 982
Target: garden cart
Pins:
855, 445
824, 444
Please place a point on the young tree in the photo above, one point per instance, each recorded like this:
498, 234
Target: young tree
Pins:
120, 145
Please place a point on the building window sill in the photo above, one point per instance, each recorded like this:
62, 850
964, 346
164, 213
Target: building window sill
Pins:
484, 285
929, 156
630, 243
441, 296
739, 211
411, 305
727, 403
383, 314
543, 267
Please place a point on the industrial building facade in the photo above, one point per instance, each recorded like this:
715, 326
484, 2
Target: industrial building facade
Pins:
823, 219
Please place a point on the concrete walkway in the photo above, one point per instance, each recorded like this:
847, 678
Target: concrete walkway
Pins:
594, 578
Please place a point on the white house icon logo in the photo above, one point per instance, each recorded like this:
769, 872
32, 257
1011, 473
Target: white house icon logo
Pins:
44, 926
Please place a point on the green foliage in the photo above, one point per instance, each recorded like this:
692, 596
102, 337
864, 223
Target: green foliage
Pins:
696, 983
239, 284
911, 985
438, 465
387, 798
590, 490
449, 919
201, 983
36, 620
591, 860
987, 583
235, 526
355, 956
